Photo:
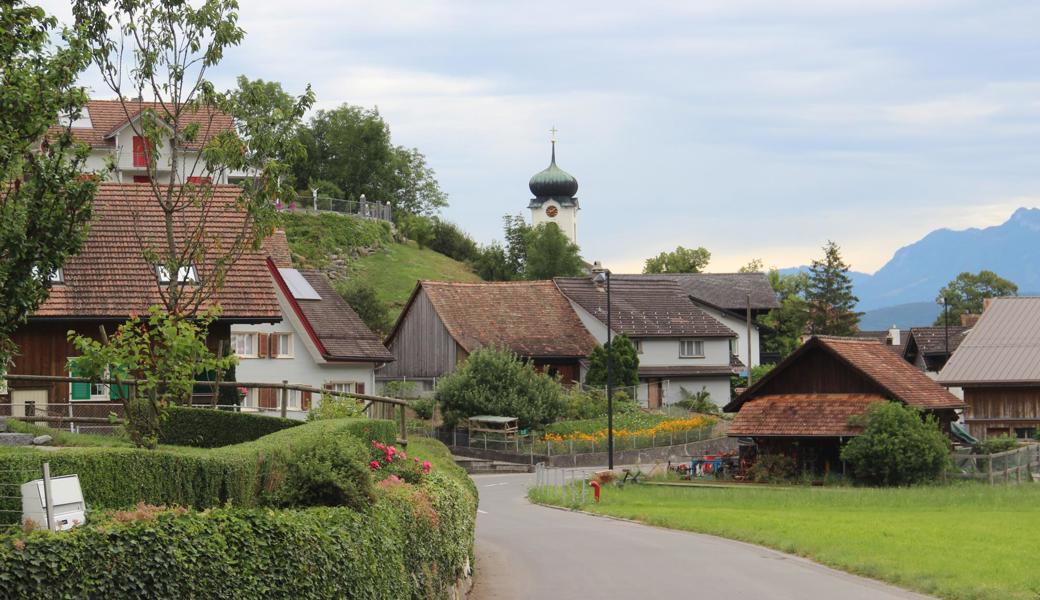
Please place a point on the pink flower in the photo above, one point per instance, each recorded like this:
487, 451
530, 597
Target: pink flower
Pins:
391, 451
426, 466
374, 465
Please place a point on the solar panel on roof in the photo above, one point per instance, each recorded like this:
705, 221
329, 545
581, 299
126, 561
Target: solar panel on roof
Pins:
299, 287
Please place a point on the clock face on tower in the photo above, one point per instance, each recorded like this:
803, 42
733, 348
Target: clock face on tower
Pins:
551, 211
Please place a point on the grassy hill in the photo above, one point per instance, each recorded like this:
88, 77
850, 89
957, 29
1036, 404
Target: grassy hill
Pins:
394, 269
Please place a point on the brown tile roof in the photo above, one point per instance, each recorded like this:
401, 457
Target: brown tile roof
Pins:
1003, 347
111, 279
107, 116
801, 415
685, 371
277, 248
884, 337
894, 376
531, 318
932, 340
643, 307
342, 333
727, 291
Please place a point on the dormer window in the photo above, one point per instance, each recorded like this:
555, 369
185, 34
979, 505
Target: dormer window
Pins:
184, 274
56, 276
142, 150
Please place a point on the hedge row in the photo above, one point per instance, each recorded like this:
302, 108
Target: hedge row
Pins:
191, 477
413, 542
206, 428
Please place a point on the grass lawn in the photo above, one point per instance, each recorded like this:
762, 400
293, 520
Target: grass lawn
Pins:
394, 270
965, 541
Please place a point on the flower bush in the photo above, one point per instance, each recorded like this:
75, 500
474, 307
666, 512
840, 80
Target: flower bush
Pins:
389, 463
636, 425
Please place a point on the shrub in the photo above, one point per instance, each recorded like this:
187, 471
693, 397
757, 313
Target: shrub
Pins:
740, 381
324, 471
205, 428
897, 446
497, 382
362, 297
423, 407
315, 238
699, 402
336, 407
624, 364
773, 468
591, 404
451, 241
387, 462
997, 444
400, 389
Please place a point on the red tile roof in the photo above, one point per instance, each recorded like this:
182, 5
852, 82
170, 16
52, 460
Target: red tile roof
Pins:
277, 248
801, 415
531, 318
111, 279
107, 116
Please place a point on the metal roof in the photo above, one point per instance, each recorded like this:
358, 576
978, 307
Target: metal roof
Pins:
1002, 348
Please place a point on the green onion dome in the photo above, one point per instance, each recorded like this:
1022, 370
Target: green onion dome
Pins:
553, 181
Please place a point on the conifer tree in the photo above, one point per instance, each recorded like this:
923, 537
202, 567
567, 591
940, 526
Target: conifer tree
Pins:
829, 294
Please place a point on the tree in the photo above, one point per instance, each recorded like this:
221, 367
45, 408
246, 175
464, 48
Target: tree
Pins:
829, 295
786, 324
898, 446
492, 263
363, 299
350, 146
681, 260
754, 266
965, 294
550, 254
516, 232
44, 199
624, 363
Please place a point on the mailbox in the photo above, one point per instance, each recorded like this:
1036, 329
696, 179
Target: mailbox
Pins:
66, 501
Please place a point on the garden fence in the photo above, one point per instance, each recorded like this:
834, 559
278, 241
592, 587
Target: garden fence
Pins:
568, 486
1013, 466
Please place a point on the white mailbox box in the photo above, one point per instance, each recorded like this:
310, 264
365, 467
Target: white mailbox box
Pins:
66, 500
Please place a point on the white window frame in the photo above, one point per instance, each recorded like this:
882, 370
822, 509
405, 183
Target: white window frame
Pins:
288, 337
734, 346
188, 274
697, 350
253, 341
336, 385
293, 401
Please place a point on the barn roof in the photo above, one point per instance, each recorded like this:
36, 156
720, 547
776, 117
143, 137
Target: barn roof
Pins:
801, 415
643, 307
110, 277
531, 318
1002, 348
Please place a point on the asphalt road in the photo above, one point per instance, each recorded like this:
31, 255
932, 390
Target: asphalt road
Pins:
527, 551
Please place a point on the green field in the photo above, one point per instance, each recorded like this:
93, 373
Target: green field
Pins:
965, 541
393, 271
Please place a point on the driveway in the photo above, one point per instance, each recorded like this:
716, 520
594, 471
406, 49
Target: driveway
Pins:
527, 551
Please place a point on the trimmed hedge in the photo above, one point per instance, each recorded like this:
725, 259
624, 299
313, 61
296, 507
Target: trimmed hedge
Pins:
243, 474
413, 542
207, 428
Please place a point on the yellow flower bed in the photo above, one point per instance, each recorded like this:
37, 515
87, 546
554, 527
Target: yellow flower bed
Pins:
670, 425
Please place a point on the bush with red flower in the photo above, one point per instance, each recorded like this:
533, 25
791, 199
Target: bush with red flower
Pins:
387, 461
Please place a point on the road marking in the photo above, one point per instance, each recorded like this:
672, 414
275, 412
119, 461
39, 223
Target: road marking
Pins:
494, 484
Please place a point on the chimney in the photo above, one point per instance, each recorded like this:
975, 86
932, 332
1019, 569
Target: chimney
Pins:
893, 336
985, 303
969, 320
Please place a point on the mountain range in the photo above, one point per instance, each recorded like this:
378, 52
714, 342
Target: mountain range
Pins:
903, 291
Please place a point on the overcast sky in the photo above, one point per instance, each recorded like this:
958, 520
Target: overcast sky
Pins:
755, 128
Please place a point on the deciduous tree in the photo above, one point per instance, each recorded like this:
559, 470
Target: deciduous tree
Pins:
550, 254
965, 294
786, 324
680, 260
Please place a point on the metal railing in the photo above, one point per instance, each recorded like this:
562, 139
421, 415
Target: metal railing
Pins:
360, 208
101, 413
566, 486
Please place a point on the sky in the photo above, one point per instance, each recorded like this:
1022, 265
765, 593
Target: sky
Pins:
754, 128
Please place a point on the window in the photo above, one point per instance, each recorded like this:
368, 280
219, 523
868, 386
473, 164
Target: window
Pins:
281, 345
691, 349
142, 179
86, 392
184, 274
349, 387
734, 348
56, 276
1025, 433
200, 180
244, 344
638, 345
142, 149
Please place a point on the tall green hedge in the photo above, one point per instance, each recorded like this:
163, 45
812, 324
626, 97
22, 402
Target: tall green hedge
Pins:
411, 543
192, 477
205, 428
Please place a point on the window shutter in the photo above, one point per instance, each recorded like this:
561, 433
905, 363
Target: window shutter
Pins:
306, 400
359, 388
118, 392
140, 152
268, 398
77, 391
261, 345
273, 341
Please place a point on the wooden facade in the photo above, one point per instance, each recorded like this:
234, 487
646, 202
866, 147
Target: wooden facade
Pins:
996, 411
818, 372
422, 346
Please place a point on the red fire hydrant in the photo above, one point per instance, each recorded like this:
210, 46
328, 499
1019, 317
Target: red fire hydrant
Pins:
595, 487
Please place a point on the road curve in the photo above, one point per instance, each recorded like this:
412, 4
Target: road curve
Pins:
528, 551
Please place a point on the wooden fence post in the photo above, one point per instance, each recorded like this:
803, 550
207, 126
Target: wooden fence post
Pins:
404, 426
285, 398
989, 462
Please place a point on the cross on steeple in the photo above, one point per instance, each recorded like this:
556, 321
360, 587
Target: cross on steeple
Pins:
553, 131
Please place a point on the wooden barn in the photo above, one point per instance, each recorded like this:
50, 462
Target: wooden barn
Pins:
802, 407
998, 366
444, 322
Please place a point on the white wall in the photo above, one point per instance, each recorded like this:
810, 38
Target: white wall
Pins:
566, 218
664, 352
739, 326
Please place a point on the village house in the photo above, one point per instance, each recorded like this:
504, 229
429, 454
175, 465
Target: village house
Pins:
802, 407
444, 322
929, 348
110, 280
997, 364
680, 345
111, 130
320, 340
893, 338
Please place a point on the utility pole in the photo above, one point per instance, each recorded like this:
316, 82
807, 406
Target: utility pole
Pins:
749, 339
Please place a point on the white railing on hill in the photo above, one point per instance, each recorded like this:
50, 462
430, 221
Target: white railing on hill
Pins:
359, 208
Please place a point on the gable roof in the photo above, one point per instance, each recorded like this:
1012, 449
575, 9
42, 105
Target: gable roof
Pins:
109, 116
932, 340
728, 291
643, 307
531, 318
277, 248
110, 278
898, 379
1002, 348
336, 330
801, 415
884, 336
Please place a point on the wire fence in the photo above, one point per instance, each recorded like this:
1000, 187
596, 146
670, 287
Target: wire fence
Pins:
1014, 466
359, 208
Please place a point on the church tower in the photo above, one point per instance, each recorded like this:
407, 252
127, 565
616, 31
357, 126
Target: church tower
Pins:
554, 198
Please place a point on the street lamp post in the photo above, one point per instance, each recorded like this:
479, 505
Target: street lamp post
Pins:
946, 324
603, 277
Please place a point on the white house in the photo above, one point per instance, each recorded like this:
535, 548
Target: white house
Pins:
679, 344
111, 130
320, 342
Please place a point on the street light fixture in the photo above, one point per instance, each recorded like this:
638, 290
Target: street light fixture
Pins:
602, 277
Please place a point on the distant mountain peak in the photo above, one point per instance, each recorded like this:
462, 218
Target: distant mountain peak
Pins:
1026, 217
